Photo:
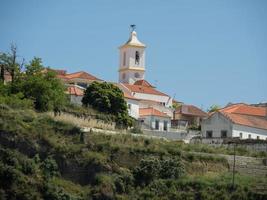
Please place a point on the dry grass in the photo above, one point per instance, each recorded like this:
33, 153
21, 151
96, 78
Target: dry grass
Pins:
81, 122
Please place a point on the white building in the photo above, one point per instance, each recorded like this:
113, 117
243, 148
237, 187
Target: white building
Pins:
238, 120
154, 119
132, 60
132, 80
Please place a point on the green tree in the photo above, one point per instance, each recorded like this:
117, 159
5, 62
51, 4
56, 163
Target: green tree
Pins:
214, 108
8, 62
46, 91
106, 97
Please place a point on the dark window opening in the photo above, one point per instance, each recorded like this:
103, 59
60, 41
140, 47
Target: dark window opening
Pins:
165, 127
209, 134
223, 134
157, 124
137, 58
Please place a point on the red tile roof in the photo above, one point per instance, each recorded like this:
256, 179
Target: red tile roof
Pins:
74, 90
143, 83
245, 109
247, 120
190, 110
151, 112
129, 96
246, 115
81, 75
143, 89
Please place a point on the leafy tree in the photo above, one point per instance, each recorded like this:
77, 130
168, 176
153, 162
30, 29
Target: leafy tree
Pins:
214, 108
106, 97
44, 89
8, 62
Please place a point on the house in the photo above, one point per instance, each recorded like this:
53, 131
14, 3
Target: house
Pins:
236, 121
187, 115
75, 93
81, 78
154, 119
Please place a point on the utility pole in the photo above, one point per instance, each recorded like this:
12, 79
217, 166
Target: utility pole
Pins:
233, 180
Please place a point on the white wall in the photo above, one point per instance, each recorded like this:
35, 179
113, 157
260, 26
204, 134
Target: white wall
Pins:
246, 130
216, 123
161, 108
151, 122
134, 107
166, 99
130, 63
130, 76
130, 57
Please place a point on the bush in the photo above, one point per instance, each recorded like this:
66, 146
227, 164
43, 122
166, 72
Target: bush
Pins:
50, 167
153, 168
108, 98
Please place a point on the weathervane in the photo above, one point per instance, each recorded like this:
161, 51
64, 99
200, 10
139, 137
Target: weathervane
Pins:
133, 26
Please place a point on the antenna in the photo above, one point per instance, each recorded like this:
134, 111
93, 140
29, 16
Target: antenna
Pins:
132, 27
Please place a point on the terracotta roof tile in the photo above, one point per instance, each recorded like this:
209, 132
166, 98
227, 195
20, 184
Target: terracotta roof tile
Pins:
151, 112
246, 115
143, 89
143, 83
81, 75
74, 90
246, 120
190, 110
245, 109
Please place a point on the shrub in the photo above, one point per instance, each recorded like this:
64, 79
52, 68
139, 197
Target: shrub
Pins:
50, 167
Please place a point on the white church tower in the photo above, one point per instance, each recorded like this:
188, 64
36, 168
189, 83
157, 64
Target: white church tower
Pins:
132, 60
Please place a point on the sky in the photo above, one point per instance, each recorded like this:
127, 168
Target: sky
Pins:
200, 52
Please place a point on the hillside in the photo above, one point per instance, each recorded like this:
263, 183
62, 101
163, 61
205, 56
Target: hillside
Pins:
46, 159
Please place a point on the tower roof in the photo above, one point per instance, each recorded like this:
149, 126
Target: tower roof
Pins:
133, 41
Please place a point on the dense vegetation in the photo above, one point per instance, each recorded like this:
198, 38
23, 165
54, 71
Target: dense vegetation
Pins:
44, 159
108, 98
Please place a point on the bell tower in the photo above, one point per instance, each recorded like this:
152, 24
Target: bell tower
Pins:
132, 59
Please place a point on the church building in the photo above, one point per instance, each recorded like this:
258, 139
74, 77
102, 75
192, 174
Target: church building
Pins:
140, 94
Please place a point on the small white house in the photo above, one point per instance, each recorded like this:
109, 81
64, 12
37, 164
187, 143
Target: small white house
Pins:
75, 93
239, 120
153, 119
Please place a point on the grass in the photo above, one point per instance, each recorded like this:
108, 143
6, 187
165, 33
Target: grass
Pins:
83, 122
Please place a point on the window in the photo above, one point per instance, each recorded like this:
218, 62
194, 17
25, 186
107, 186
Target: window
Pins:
165, 127
249, 136
240, 135
123, 76
209, 134
124, 58
157, 124
129, 106
137, 58
223, 134
136, 75
258, 137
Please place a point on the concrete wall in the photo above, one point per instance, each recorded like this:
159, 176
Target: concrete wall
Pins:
216, 123
246, 131
76, 99
133, 108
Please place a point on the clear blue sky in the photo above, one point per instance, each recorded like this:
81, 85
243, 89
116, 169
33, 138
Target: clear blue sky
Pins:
206, 52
